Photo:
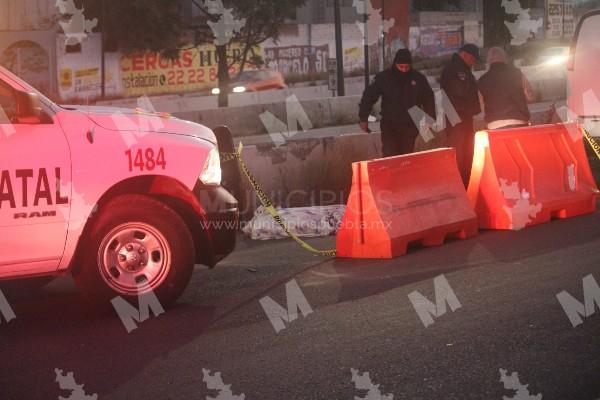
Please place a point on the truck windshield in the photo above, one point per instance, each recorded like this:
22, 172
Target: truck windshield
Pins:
26, 86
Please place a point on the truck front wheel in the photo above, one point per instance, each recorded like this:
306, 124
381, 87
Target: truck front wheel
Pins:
135, 246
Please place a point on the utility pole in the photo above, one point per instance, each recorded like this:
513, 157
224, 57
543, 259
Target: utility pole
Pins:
546, 18
382, 58
221, 55
339, 49
366, 51
223, 76
562, 28
102, 48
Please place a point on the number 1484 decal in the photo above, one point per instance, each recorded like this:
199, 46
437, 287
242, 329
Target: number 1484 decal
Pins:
146, 159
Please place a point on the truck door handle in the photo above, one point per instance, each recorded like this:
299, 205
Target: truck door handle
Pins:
90, 135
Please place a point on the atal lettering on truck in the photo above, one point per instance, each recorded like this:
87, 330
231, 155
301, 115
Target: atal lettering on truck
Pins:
21, 181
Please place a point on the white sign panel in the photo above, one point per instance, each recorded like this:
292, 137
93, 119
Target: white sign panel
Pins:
332, 72
561, 21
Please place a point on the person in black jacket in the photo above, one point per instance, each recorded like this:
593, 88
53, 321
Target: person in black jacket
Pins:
401, 88
460, 86
505, 93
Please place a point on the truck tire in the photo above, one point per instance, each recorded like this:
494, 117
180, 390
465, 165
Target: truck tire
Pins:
136, 245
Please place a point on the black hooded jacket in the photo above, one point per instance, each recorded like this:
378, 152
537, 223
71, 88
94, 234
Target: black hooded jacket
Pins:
460, 86
399, 92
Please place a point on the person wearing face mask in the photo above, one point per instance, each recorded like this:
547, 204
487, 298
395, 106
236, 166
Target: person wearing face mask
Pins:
460, 85
401, 88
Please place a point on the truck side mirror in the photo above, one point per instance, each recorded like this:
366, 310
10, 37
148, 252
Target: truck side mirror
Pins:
29, 109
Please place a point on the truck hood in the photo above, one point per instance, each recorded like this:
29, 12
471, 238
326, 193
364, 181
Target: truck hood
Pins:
128, 120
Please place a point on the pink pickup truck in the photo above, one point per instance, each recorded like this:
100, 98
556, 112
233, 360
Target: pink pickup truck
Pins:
127, 201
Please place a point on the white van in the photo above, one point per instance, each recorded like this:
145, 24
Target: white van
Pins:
584, 73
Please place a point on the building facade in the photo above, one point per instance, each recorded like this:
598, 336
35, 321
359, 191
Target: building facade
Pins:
33, 45
27, 41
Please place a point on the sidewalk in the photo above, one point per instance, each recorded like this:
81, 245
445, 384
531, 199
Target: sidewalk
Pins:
539, 113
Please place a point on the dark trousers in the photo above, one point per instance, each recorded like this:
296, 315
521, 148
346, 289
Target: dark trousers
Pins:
462, 138
397, 139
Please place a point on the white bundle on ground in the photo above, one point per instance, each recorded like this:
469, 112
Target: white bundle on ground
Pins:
302, 222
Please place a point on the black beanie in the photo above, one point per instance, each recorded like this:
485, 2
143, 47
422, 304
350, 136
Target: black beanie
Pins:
403, 56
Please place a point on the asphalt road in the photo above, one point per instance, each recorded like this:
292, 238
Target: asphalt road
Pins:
509, 318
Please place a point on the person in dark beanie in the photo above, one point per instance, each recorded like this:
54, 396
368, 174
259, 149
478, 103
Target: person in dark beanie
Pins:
505, 93
401, 88
460, 85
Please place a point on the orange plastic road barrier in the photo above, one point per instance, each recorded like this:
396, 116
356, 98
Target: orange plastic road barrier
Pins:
400, 200
527, 176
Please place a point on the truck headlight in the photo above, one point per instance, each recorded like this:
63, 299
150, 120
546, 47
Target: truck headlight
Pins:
557, 60
211, 175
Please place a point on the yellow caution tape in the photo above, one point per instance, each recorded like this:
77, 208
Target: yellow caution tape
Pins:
268, 204
593, 142
228, 156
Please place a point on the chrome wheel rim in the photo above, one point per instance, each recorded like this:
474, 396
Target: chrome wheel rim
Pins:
134, 258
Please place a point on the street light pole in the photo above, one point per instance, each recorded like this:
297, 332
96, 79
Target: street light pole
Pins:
339, 50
